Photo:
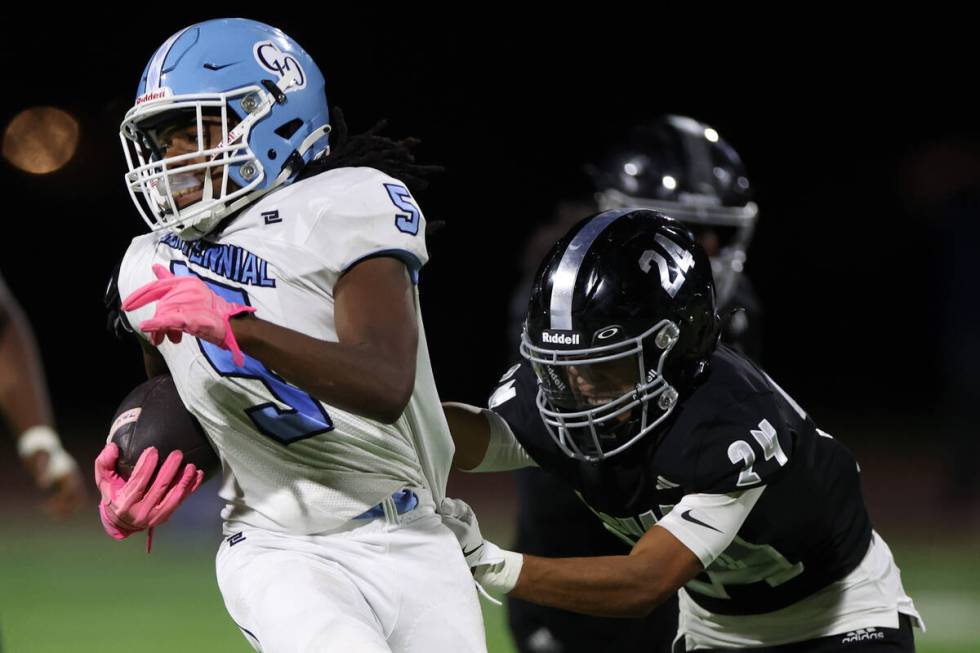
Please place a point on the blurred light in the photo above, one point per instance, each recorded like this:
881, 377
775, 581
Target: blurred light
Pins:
711, 134
40, 140
743, 183
669, 182
631, 169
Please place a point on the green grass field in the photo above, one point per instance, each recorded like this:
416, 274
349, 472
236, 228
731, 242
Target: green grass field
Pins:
70, 588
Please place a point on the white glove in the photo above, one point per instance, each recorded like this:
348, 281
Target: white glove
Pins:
493, 568
498, 569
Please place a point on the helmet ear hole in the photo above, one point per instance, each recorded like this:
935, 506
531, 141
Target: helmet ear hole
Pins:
286, 130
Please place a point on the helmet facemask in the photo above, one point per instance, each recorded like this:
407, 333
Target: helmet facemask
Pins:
221, 172
598, 402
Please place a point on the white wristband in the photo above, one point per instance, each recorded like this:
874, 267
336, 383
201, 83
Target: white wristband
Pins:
44, 438
501, 577
38, 438
60, 465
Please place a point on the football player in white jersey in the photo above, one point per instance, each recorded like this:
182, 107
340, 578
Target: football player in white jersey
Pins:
277, 286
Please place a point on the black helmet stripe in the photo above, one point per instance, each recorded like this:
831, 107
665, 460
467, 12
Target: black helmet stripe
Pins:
563, 285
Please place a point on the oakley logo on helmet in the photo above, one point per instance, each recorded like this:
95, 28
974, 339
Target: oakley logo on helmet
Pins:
560, 338
682, 259
283, 65
606, 334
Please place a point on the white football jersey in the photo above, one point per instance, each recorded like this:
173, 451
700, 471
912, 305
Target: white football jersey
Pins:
292, 463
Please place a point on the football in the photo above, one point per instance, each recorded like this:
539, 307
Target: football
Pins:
153, 415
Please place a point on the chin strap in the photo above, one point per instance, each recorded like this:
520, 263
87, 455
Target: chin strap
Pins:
315, 135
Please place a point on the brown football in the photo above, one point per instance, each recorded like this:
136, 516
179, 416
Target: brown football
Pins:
153, 415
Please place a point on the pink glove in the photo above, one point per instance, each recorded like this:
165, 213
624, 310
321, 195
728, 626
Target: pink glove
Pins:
128, 507
186, 304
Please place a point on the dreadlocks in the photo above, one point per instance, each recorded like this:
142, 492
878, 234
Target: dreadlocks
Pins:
371, 149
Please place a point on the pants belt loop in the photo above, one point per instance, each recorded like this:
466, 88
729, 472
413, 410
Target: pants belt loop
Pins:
391, 513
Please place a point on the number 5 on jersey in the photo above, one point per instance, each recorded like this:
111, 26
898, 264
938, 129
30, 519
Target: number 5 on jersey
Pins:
304, 418
409, 221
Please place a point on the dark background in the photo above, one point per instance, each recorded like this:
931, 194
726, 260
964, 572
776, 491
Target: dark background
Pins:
861, 148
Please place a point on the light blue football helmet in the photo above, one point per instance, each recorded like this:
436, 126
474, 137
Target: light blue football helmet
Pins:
263, 89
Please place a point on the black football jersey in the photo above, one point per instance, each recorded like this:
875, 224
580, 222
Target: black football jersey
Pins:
737, 430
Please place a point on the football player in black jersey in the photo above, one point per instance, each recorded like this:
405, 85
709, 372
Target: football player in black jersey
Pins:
682, 167
723, 486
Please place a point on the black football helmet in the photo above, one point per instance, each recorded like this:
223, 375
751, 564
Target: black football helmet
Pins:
682, 167
620, 326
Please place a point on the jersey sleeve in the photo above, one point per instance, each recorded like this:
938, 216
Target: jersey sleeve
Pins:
135, 270
504, 452
707, 523
515, 400
370, 215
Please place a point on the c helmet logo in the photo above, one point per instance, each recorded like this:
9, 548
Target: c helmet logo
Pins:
284, 65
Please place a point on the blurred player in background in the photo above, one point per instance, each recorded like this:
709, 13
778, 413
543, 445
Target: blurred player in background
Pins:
25, 404
721, 484
685, 169
682, 167
278, 287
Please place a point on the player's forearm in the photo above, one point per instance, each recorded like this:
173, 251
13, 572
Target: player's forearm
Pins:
23, 392
606, 586
611, 586
358, 377
471, 434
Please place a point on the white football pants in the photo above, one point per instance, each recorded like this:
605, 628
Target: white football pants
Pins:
392, 584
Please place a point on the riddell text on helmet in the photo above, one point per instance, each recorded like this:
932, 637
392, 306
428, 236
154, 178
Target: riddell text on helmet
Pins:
560, 338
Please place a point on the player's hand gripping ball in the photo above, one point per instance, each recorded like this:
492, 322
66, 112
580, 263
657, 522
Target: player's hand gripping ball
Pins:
137, 493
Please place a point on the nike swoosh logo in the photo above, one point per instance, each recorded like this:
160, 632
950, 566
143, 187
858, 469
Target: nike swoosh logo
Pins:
212, 66
466, 554
687, 516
